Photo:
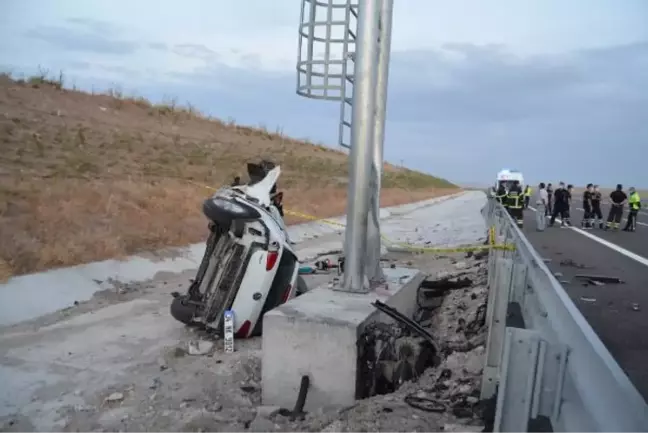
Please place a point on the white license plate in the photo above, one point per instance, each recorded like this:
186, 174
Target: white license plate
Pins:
228, 333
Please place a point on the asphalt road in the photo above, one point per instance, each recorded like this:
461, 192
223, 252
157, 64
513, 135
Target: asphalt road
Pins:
608, 308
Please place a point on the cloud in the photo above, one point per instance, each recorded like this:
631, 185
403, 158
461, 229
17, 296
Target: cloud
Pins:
92, 39
459, 110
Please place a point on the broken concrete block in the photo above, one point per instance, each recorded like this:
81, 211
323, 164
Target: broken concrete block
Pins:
261, 424
199, 347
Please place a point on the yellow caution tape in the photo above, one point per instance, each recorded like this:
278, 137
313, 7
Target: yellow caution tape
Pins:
414, 248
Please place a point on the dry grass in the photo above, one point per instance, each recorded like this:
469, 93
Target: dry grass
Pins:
87, 177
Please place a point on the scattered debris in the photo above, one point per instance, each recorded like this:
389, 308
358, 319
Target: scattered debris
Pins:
635, 307
115, 396
601, 278
558, 274
596, 283
584, 299
407, 322
462, 428
199, 347
172, 390
546, 260
573, 264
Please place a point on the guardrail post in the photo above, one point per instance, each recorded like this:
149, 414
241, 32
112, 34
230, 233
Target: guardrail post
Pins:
497, 307
531, 382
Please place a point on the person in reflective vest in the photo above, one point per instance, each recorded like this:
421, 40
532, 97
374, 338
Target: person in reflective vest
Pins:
515, 204
634, 202
527, 196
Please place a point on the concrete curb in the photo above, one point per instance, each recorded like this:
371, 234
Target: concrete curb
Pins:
59, 288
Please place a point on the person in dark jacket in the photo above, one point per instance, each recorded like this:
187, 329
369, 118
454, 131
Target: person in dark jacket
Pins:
561, 206
550, 192
587, 221
500, 194
597, 215
570, 196
618, 199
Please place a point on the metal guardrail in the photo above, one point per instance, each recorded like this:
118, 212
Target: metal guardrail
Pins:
550, 367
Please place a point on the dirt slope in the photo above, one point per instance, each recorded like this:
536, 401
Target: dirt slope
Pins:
87, 177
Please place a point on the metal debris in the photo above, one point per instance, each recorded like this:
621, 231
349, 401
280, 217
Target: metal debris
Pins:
601, 278
573, 264
584, 299
596, 283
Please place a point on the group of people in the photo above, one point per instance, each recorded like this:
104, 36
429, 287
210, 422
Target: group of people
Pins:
557, 203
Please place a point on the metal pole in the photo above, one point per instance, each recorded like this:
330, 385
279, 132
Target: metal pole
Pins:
374, 270
364, 98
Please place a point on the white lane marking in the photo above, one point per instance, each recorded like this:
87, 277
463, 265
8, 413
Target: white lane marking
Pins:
624, 219
615, 247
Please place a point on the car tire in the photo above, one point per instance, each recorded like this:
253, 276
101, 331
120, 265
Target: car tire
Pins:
302, 287
181, 311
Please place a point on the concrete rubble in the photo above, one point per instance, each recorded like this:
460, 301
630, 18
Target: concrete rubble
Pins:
118, 362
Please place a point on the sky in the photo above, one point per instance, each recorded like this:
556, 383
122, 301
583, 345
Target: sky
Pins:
557, 89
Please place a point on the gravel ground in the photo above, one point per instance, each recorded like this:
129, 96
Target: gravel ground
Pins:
119, 362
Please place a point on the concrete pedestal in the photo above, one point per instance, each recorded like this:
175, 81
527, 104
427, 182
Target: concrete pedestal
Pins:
316, 334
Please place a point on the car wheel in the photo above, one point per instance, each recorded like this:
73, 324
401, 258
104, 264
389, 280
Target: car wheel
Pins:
302, 287
182, 311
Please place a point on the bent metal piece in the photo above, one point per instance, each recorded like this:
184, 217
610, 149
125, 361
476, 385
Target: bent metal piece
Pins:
602, 278
409, 323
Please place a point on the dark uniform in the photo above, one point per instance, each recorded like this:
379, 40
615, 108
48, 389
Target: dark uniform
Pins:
500, 195
515, 204
617, 197
550, 192
570, 188
597, 215
587, 222
561, 207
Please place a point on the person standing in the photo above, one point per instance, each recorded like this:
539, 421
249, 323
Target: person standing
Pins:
597, 215
500, 194
570, 196
527, 196
618, 199
586, 222
549, 198
541, 208
515, 204
634, 202
560, 206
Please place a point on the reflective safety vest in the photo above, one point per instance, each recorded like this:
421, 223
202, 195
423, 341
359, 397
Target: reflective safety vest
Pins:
513, 200
527, 191
634, 201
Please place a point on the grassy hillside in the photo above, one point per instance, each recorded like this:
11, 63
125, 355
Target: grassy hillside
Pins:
87, 177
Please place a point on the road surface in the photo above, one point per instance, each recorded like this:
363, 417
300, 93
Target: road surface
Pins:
608, 308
